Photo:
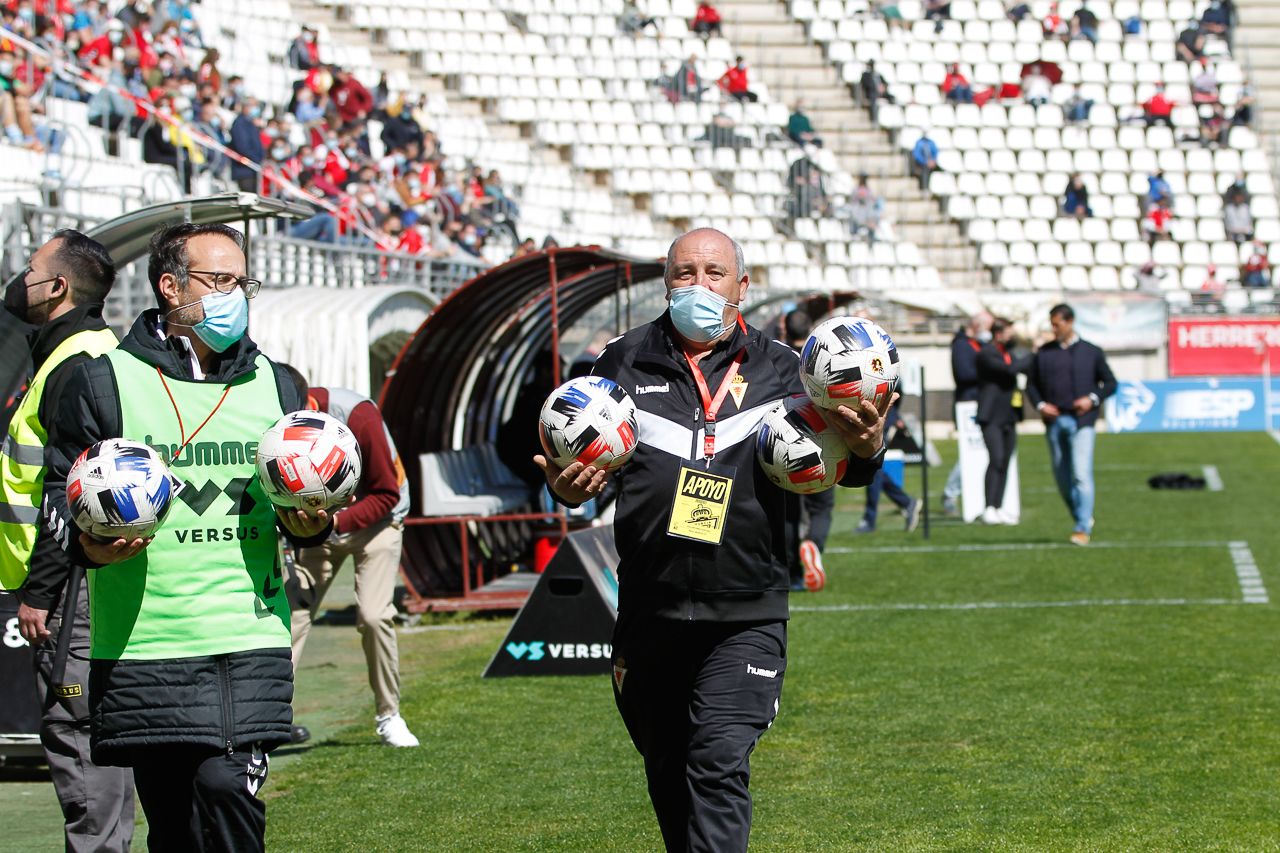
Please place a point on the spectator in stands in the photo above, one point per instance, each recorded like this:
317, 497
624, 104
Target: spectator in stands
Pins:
632, 22
956, 86
1256, 271
1238, 187
309, 108
1158, 188
1158, 109
1053, 24
722, 133
873, 88
209, 122
399, 129
527, 247
924, 158
162, 144
808, 191
734, 82
1242, 112
1238, 220
1214, 127
1212, 288
246, 140
1190, 46
937, 11
1150, 276
1036, 87
686, 84
503, 204
1156, 223
1076, 201
1084, 24
350, 97
1219, 19
865, 210
1204, 86
800, 129
304, 53
1016, 10
706, 21
892, 15
15, 104
1077, 107
108, 107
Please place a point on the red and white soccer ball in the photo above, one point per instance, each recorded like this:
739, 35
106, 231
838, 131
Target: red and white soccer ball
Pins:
798, 450
847, 360
309, 461
590, 420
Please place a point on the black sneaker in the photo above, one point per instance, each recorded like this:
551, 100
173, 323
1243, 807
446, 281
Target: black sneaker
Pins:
299, 734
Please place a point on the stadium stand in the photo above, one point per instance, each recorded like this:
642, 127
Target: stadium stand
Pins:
1005, 164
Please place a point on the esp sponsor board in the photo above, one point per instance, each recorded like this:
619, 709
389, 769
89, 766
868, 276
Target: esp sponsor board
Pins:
1191, 405
1223, 346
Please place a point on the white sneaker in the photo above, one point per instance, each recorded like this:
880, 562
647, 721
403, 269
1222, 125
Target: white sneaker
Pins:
991, 515
394, 731
1007, 516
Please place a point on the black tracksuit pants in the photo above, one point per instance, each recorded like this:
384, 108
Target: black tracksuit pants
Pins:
202, 799
696, 697
1001, 441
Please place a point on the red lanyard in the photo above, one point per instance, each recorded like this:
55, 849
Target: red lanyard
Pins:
181, 429
1004, 353
712, 406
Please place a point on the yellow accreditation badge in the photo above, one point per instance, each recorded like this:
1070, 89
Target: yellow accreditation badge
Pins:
701, 505
1017, 399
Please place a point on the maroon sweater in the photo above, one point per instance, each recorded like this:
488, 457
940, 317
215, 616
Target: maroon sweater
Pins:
382, 481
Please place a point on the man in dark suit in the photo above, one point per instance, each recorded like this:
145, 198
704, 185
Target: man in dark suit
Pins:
999, 410
965, 347
1068, 380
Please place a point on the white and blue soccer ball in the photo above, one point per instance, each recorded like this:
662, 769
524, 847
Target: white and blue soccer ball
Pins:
590, 420
309, 461
120, 489
847, 360
798, 450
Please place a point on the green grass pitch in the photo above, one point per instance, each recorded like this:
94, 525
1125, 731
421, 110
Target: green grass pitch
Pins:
989, 689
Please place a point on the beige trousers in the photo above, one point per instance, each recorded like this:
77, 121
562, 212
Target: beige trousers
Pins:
376, 551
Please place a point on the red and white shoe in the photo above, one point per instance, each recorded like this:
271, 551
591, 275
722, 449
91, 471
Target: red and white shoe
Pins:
815, 576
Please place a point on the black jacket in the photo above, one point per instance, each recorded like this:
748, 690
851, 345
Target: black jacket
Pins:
1061, 376
746, 577
997, 382
208, 700
49, 563
964, 366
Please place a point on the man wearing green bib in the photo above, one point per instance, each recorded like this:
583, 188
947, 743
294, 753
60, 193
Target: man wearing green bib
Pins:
190, 679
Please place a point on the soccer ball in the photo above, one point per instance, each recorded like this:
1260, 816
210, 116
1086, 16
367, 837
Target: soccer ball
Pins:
309, 461
590, 420
120, 489
847, 360
798, 450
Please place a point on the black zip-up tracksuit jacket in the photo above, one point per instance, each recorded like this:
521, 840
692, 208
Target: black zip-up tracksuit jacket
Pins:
745, 578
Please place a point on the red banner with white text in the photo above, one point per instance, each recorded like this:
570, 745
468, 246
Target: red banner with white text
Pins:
1223, 346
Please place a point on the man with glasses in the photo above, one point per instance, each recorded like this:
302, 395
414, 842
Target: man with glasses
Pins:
190, 679
60, 295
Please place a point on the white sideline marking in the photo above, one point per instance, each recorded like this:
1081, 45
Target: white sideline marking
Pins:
1017, 546
1212, 478
1026, 605
1247, 573
422, 629
1274, 433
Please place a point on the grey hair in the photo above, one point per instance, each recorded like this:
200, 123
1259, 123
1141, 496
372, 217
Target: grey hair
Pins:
738, 258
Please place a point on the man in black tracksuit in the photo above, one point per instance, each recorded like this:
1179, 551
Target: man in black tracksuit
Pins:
700, 647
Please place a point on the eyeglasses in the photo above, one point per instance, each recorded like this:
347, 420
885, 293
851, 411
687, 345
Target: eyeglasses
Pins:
225, 282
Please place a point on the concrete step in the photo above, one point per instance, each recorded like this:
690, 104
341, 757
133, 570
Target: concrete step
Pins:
756, 34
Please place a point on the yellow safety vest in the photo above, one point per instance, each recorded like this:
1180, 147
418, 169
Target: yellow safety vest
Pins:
22, 461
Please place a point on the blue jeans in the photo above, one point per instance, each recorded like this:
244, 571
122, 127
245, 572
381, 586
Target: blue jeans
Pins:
882, 483
322, 228
1071, 452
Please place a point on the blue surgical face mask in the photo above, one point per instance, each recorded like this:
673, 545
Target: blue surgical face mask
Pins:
226, 319
698, 313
